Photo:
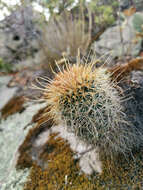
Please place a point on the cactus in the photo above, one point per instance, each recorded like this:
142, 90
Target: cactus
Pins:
87, 101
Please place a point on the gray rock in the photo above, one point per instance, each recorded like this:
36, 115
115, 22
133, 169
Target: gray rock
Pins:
133, 105
137, 78
12, 134
19, 38
5, 93
16, 180
125, 4
138, 4
111, 40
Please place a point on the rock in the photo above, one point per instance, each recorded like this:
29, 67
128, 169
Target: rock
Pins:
111, 40
16, 180
134, 104
19, 38
56, 152
125, 4
12, 135
5, 93
138, 4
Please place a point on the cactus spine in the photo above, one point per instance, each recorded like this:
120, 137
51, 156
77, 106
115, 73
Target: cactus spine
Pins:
86, 100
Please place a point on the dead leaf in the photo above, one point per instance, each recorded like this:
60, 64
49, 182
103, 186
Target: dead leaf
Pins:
120, 71
130, 11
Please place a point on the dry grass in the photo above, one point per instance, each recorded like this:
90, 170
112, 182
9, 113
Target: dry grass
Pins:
65, 34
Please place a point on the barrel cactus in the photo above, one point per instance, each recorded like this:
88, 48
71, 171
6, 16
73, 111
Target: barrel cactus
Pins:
87, 101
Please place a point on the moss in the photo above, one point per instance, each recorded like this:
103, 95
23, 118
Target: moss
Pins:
61, 172
13, 106
121, 173
5, 67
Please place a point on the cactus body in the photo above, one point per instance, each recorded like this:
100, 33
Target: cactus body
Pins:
86, 100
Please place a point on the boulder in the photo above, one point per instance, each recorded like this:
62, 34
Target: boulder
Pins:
19, 38
119, 40
12, 134
125, 4
5, 93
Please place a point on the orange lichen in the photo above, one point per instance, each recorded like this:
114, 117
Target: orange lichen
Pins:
13, 106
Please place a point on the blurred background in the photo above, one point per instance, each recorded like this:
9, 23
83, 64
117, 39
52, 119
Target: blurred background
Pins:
39, 32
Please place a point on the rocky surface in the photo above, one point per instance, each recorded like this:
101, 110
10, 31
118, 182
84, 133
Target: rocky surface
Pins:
6, 93
16, 180
125, 4
12, 134
19, 38
31, 146
119, 40
35, 154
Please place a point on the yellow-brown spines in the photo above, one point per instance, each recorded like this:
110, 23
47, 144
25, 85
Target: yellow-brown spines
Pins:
85, 99
67, 83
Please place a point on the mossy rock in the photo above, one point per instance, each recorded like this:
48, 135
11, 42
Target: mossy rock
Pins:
57, 168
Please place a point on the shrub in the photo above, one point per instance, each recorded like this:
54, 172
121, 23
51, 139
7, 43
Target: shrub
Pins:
138, 22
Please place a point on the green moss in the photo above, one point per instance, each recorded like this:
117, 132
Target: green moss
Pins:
5, 67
